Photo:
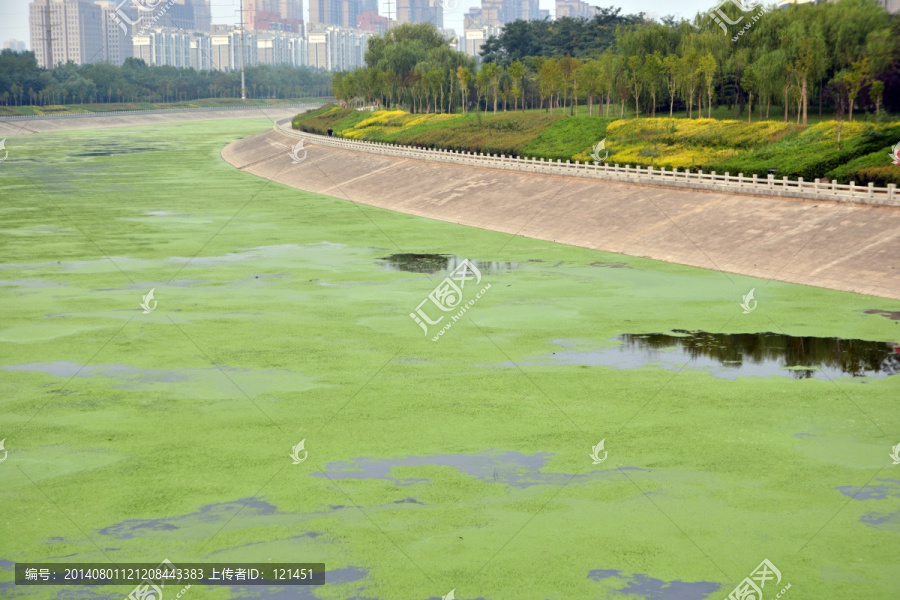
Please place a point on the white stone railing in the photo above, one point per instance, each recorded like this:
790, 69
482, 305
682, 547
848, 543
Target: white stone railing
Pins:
154, 111
766, 186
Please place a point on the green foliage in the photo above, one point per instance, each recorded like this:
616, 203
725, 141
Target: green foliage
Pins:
568, 138
563, 37
708, 144
22, 82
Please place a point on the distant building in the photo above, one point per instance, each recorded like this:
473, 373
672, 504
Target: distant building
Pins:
892, 6
475, 34
275, 48
226, 44
117, 42
337, 48
370, 20
420, 11
14, 45
342, 13
575, 9
500, 12
274, 15
202, 16
66, 30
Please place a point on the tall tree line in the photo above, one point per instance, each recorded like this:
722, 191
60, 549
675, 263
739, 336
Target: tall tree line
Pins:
839, 56
22, 82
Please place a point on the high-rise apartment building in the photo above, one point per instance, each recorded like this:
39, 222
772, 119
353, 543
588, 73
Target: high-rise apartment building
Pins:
274, 15
475, 33
575, 9
117, 42
421, 11
499, 12
14, 45
341, 13
184, 49
66, 30
336, 48
370, 20
202, 15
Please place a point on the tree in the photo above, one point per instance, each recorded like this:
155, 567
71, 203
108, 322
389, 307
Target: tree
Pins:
690, 73
550, 80
568, 69
652, 72
805, 57
672, 71
516, 72
635, 81
492, 74
464, 75
750, 82
708, 68
854, 80
591, 75
876, 93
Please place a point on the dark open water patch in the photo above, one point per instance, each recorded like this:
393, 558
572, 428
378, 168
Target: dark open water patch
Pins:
648, 588
730, 355
890, 488
885, 489
892, 315
253, 512
114, 149
434, 263
510, 468
611, 265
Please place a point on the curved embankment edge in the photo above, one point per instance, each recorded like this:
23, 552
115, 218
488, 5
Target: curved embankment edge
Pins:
769, 186
843, 246
12, 126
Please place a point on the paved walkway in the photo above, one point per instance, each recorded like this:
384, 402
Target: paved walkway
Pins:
846, 247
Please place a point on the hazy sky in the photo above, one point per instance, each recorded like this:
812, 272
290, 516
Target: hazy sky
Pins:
14, 13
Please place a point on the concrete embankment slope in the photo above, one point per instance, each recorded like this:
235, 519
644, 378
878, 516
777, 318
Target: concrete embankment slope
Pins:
840, 246
100, 120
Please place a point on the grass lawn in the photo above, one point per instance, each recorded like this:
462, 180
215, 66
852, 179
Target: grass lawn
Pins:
458, 464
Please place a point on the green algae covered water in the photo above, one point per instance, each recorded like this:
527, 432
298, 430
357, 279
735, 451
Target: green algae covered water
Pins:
138, 429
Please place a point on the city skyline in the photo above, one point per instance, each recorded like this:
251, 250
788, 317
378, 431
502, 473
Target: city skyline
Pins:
14, 23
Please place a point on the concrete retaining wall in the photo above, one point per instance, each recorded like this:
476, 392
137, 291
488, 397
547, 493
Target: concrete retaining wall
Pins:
839, 245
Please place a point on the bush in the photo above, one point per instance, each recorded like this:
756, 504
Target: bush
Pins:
708, 144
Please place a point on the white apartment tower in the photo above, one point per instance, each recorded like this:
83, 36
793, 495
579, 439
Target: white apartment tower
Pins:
66, 30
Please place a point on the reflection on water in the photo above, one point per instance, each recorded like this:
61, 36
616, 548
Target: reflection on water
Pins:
729, 355
434, 263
